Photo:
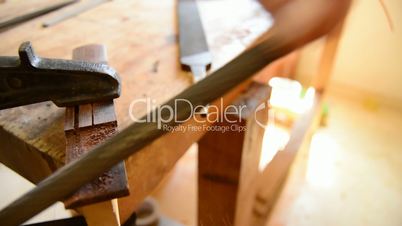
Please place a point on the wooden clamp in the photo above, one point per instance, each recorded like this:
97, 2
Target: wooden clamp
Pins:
86, 126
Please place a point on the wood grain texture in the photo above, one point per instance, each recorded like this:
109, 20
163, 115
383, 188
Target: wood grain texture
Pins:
277, 42
101, 214
85, 127
252, 147
219, 158
111, 184
226, 161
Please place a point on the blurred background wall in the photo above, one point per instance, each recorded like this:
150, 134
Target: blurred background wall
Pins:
368, 64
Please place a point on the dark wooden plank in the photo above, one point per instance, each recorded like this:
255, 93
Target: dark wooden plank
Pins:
219, 158
224, 157
87, 134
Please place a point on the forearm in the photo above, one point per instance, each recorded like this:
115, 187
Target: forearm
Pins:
300, 21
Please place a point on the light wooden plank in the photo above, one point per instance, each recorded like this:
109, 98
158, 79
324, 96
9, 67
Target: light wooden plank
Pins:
328, 57
84, 115
69, 119
101, 214
103, 112
270, 183
252, 147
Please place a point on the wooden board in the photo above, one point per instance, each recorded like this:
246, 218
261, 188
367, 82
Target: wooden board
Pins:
251, 152
227, 161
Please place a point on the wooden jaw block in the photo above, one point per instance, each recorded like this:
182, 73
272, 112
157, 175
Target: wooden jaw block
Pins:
86, 126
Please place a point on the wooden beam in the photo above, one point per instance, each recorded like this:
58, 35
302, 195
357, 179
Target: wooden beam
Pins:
269, 184
252, 148
276, 173
328, 57
219, 158
228, 160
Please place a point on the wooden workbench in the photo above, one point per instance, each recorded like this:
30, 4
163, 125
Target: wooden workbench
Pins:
141, 37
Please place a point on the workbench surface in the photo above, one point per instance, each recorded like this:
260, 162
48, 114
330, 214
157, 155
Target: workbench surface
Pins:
141, 37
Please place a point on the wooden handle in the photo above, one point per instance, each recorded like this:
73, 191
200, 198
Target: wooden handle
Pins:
296, 24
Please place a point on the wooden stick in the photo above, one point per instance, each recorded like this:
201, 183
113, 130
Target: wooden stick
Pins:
296, 24
387, 15
321, 79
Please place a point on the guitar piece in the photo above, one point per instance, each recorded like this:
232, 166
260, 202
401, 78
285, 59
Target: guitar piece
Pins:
86, 126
